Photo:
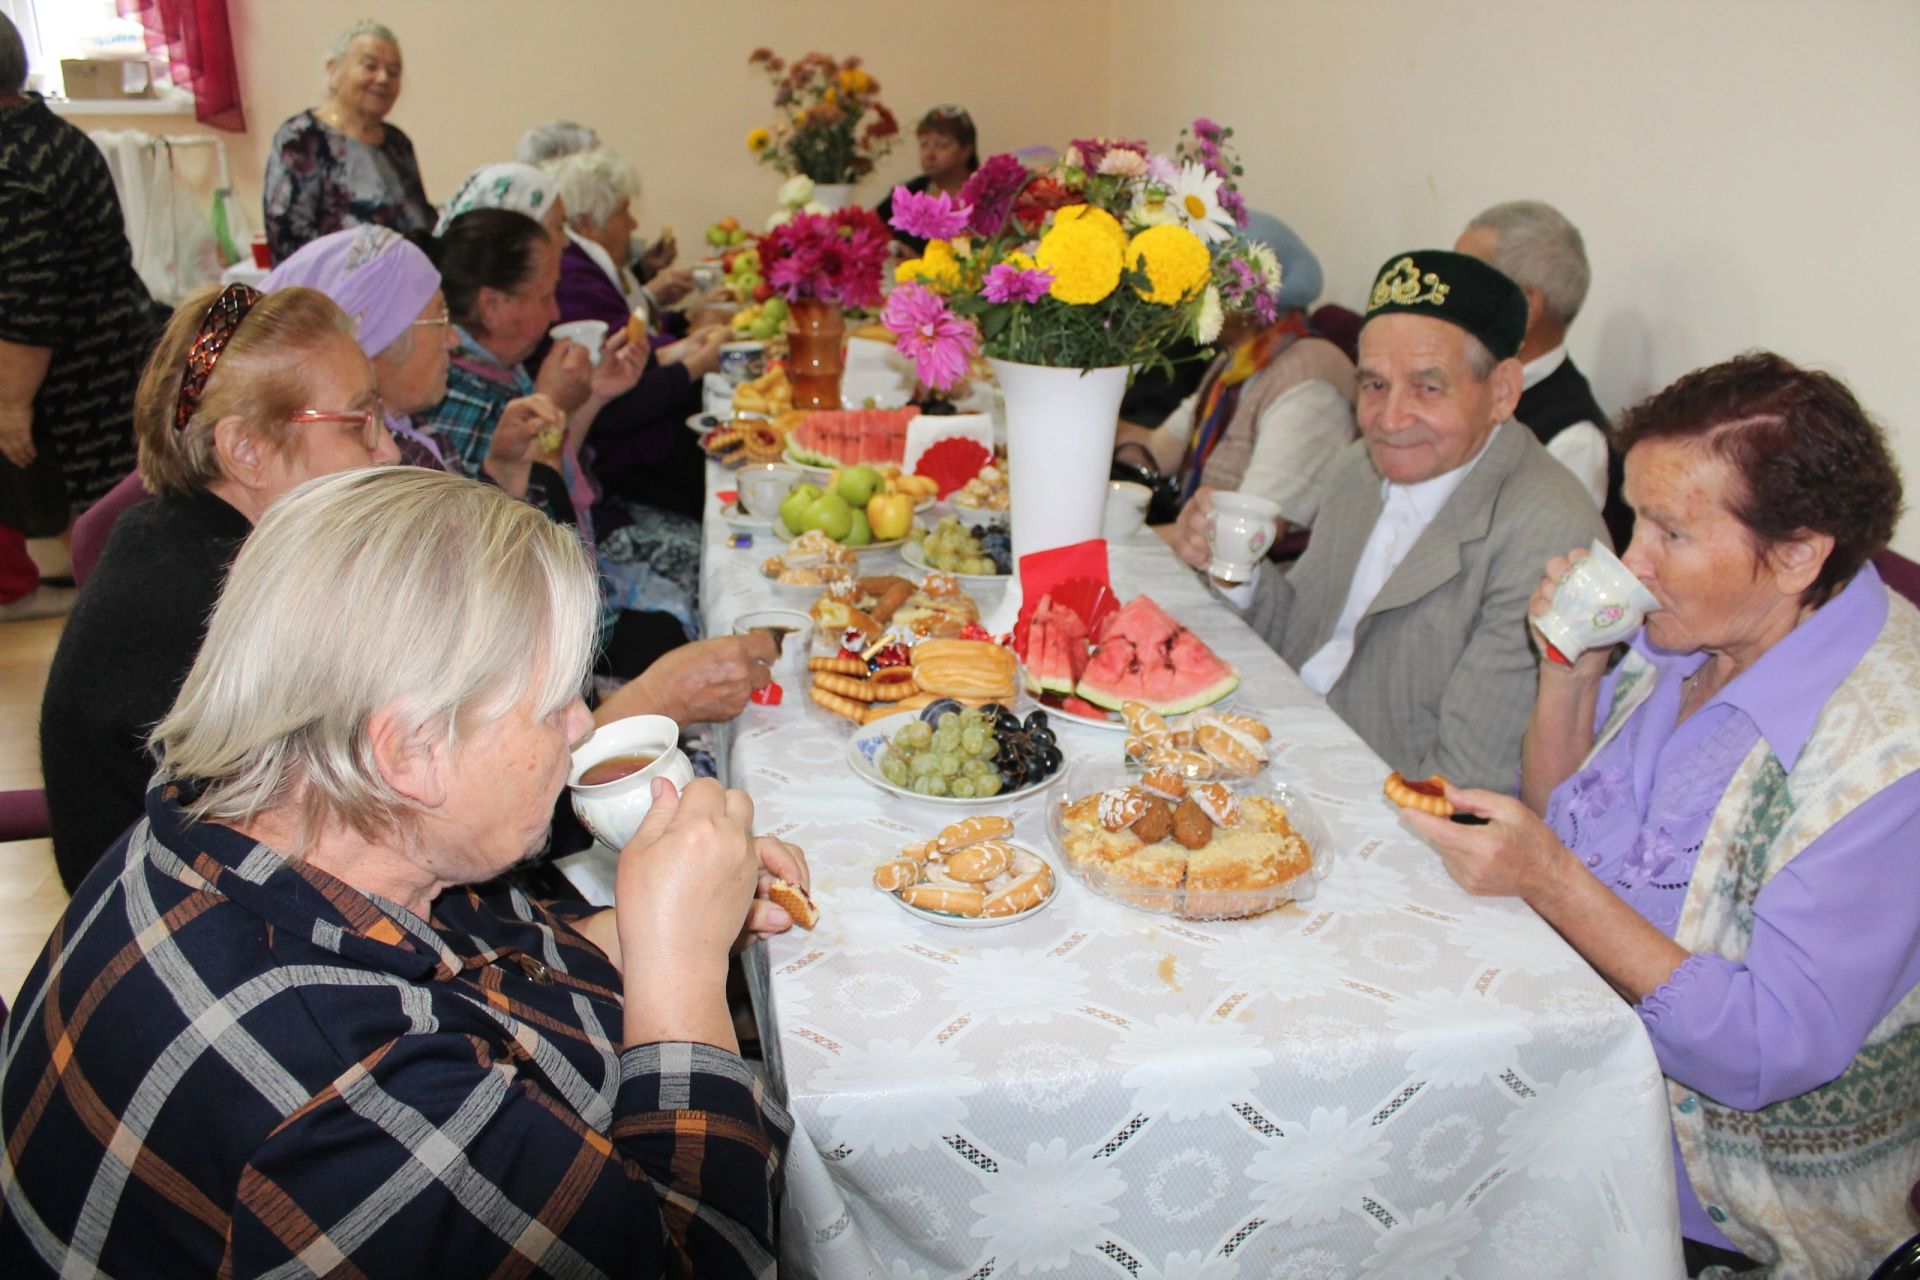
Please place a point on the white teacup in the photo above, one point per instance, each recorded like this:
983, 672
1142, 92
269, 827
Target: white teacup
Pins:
591, 334
612, 811
742, 361
762, 487
1239, 534
1596, 603
1126, 510
784, 625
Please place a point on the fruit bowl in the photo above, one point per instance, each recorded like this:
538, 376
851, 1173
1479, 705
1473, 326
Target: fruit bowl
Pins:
864, 749
1155, 884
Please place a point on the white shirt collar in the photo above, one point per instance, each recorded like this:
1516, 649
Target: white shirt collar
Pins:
1536, 369
1425, 499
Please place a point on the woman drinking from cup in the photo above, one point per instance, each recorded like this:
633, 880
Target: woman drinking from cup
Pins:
295, 999
1730, 815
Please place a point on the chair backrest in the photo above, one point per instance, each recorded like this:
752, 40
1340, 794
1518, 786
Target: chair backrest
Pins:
23, 815
96, 522
1899, 573
1339, 326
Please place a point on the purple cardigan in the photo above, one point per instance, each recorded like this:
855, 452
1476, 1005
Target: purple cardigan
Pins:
637, 428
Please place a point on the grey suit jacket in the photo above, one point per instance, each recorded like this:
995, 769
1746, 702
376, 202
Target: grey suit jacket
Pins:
1443, 673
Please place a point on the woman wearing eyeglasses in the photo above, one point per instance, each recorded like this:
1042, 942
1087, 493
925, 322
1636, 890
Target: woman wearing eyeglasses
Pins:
949, 151
245, 397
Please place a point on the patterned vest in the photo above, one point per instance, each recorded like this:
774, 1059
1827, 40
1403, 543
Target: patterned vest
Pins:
1814, 1186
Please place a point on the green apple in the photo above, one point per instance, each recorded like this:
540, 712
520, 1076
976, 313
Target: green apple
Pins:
858, 485
831, 515
862, 533
793, 507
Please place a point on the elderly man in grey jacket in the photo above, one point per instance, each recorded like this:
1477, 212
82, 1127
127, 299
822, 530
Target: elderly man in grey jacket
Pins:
1408, 610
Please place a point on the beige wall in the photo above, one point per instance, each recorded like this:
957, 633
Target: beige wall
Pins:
1745, 171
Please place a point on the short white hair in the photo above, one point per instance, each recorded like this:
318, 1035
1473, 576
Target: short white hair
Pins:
365, 27
554, 140
1537, 248
387, 587
593, 183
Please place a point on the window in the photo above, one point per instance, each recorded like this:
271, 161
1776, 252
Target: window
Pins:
56, 29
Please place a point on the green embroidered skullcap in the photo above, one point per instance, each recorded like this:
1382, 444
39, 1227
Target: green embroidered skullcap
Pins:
1456, 288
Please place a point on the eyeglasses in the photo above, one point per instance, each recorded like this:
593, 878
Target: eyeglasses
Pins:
372, 422
440, 321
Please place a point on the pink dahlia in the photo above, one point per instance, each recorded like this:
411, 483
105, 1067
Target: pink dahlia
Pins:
1094, 150
939, 343
1008, 283
929, 215
990, 191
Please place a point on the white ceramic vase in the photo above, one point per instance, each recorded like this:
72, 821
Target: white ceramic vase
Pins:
1060, 428
834, 195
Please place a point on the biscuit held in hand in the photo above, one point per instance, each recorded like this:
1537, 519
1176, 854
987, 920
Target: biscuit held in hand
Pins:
794, 900
1429, 796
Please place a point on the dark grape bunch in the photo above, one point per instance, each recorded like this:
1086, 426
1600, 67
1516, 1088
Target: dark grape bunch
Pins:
1028, 752
997, 544
951, 750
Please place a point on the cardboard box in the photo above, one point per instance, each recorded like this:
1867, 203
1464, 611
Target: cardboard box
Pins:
95, 79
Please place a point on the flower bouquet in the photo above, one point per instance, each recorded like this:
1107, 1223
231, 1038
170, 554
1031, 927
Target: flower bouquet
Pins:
833, 126
1068, 277
820, 263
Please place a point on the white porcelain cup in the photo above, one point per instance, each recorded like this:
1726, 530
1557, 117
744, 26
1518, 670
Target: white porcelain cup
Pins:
741, 361
762, 487
1239, 534
707, 275
612, 811
1596, 603
591, 334
1126, 510
792, 631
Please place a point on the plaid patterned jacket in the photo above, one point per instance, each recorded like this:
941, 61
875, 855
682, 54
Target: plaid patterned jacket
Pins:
225, 1064
478, 389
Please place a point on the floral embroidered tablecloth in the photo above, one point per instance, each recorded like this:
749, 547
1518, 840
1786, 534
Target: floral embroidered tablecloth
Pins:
1393, 1079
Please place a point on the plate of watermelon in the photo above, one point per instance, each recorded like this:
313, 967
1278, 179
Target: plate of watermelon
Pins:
1136, 652
833, 438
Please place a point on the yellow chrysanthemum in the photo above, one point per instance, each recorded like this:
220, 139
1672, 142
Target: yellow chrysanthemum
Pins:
938, 268
1093, 215
759, 140
1084, 259
855, 81
1022, 261
1176, 263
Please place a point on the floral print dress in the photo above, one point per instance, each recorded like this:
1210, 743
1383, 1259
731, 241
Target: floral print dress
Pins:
320, 181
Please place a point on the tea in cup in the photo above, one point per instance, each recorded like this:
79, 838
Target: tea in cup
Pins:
613, 773
783, 625
763, 486
591, 334
1596, 603
742, 361
1126, 510
1240, 530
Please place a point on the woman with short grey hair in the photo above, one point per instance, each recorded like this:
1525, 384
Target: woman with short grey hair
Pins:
296, 998
341, 164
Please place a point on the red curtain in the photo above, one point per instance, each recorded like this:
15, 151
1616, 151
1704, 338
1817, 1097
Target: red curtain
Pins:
194, 38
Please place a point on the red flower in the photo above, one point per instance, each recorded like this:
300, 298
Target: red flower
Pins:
1041, 197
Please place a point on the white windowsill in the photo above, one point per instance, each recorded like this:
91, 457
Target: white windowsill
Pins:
173, 106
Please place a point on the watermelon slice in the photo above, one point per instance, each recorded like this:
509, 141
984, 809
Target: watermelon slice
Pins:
1142, 655
1056, 648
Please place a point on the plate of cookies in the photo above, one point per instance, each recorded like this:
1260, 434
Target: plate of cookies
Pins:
970, 875
1199, 849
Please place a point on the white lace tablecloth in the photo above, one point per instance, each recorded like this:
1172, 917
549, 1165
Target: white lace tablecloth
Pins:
1394, 1079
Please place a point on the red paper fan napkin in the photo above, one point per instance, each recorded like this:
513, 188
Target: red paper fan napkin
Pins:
1074, 576
952, 462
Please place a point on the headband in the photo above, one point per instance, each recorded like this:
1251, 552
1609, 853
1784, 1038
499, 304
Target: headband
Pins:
217, 328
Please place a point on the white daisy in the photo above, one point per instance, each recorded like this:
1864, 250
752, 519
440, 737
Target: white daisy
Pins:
1039, 1214
1183, 1067
893, 1096
1425, 1245
1198, 1265
1266, 263
1573, 1129
1195, 201
1510, 937
1454, 1039
1010, 985
1284, 964
1212, 317
1318, 1168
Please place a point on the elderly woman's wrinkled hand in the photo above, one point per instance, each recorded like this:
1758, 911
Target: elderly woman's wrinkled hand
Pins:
517, 437
670, 284
781, 860
1188, 535
1514, 854
566, 375
704, 682
688, 876
621, 364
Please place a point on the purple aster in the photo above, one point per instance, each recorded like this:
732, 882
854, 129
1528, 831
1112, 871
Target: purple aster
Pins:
1008, 283
1265, 309
1204, 127
991, 190
929, 216
1162, 171
1234, 203
939, 343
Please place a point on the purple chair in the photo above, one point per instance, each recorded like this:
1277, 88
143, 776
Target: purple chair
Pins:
96, 522
23, 815
1899, 573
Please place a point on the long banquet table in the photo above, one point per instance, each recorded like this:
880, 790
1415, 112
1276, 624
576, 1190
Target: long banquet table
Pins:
1390, 1079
